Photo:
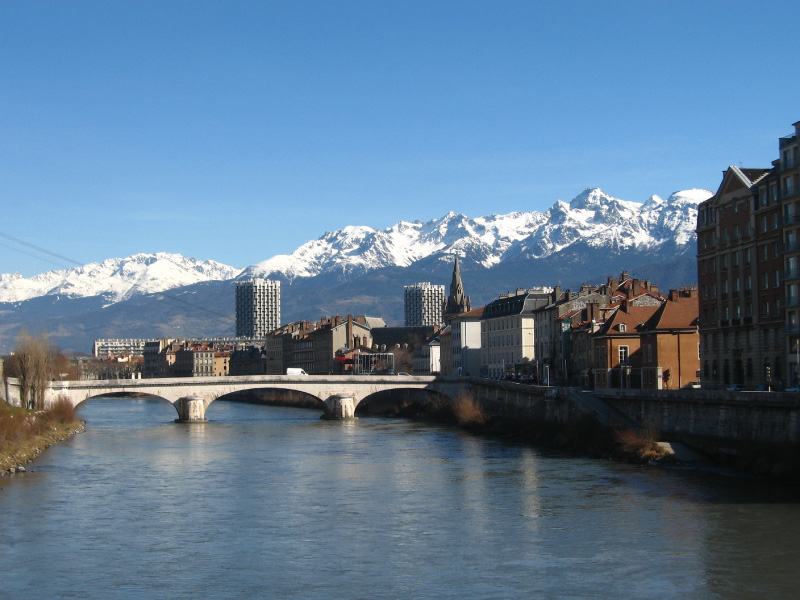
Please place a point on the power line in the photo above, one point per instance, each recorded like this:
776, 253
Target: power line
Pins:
39, 248
133, 286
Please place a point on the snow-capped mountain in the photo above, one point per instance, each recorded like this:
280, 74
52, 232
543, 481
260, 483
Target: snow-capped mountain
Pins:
593, 217
116, 278
362, 270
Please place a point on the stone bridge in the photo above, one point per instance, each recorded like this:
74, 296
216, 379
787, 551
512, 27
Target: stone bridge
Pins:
338, 395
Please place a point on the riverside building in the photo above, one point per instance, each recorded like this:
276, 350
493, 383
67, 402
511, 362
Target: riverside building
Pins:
749, 275
258, 307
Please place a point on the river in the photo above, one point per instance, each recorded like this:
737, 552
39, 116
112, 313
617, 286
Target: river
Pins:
267, 502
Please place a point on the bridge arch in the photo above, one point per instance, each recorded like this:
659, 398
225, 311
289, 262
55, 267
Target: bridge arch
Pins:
124, 397
276, 396
400, 401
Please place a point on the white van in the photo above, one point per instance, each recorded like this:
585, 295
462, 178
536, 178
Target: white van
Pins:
293, 371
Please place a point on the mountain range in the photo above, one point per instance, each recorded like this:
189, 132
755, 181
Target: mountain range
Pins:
360, 270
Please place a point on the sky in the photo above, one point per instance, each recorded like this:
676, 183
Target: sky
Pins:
234, 131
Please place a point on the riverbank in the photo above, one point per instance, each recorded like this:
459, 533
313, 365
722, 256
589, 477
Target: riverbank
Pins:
25, 434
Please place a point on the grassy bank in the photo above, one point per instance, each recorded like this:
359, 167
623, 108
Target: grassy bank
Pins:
24, 434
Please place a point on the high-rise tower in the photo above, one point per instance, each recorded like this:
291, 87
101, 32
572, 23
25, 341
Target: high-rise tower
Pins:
423, 304
258, 307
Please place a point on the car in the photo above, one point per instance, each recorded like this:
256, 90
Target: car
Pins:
734, 387
695, 385
404, 374
792, 389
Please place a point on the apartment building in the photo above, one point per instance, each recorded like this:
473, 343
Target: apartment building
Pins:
423, 303
747, 275
507, 331
787, 173
258, 307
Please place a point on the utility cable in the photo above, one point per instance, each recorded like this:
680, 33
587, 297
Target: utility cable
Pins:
133, 286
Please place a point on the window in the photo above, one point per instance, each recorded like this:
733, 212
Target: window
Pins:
623, 355
774, 249
623, 328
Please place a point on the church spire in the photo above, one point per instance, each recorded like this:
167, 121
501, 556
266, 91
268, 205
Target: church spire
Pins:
457, 302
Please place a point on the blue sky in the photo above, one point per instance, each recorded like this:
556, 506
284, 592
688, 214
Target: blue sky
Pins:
235, 131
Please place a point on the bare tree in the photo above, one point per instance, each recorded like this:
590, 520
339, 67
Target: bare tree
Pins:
33, 357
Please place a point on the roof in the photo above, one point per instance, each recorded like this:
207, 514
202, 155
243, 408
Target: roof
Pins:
632, 317
679, 312
475, 313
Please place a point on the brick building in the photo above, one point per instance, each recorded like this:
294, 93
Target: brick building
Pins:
748, 238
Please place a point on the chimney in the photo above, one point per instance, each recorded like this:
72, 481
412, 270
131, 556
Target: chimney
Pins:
592, 312
350, 342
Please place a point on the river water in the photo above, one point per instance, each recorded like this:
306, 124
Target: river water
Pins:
266, 502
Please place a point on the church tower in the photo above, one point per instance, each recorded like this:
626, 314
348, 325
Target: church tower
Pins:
457, 302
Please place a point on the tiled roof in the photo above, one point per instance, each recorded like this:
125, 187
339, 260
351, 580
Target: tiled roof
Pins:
680, 314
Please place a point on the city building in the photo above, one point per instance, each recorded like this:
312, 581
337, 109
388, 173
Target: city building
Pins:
787, 174
426, 357
507, 333
617, 347
119, 347
748, 276
671, 343
258, 307
465, 346
424, 303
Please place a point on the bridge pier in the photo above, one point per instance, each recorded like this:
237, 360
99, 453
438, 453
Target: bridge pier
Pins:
191, 409
341, 406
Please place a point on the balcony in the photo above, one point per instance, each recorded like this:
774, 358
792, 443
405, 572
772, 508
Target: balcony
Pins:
792, 247
791, 274
789, 192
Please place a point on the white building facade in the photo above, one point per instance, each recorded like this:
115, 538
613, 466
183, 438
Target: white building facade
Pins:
258, 307
424, 304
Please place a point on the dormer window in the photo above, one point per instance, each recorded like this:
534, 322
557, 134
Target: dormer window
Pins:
623, 328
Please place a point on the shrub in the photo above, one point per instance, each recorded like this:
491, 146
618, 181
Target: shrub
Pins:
62, 411
468, 411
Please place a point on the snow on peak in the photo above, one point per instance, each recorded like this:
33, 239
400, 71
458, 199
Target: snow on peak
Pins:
116, 278
593, 218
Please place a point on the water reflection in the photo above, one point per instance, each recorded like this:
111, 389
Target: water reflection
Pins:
272, 502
